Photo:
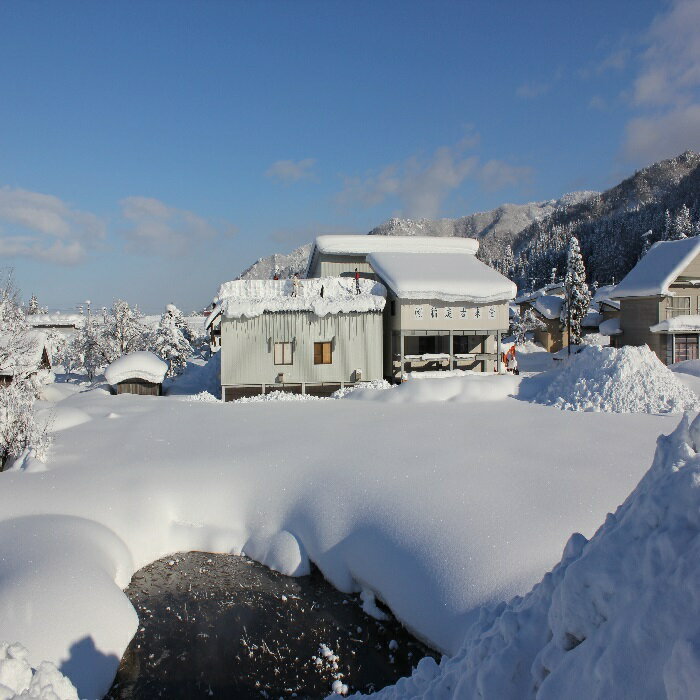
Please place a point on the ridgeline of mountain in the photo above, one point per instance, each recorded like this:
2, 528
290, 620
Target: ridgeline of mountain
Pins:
613, 227
284, 264
495, 229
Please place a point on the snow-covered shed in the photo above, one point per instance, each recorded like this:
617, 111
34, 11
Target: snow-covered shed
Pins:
660, 301
23, 354
139, 372
446, 309
309, 336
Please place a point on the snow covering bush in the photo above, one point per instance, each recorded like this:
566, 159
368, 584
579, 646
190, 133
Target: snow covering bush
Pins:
618, 617
19, 681
625, 380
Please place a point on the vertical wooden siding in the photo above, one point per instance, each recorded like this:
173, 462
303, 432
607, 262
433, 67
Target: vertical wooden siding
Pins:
247, 349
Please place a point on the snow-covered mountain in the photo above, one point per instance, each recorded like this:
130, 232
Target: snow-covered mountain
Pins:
495, 229
284, 264
612, 226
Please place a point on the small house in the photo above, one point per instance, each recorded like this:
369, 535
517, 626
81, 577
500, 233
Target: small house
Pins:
24, 354
445, 308
660, 302
310, 336
139, 372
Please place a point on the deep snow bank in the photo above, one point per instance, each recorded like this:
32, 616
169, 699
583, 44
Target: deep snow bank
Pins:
625, 380
471, 387
618, 617
19, 681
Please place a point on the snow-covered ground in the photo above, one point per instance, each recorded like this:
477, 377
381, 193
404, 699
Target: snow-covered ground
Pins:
426, 495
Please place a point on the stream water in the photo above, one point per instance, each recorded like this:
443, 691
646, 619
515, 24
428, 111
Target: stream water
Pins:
214, 625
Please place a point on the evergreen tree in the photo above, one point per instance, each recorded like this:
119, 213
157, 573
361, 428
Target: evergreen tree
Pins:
169, 342
682, 226
578, 298
508, 262
33, 307
668, 226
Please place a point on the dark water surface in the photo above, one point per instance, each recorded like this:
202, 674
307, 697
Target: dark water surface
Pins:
216, 625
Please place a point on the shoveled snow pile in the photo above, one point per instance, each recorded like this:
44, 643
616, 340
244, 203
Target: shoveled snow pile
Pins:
618, 617
19, 681
625, 380
322, 296
137, 365
472, 387
278, 396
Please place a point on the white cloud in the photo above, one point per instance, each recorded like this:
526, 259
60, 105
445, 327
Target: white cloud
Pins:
667, 87
43, 227
597, 102
156, 227
291, 171
421, 185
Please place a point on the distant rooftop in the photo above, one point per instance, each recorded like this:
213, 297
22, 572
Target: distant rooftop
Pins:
351, 244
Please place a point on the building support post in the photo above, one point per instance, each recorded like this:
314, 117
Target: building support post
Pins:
401, 341
452, 351
498, 351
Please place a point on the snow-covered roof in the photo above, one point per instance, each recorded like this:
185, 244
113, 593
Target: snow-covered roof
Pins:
549, 305
553, 288
249, 298
352, 244
604, 293
592, 319
612, 303
137, 365
56, 320
443, 276
657, 270
679, 324
610, 327
32, 344
213, 315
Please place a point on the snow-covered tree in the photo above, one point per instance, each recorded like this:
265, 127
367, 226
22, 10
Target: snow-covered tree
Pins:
169, 342
124, 331
524, 324
508, 262
682, 226
33, 306
18, 428
668, 226
87, 351
180, 322
578, 298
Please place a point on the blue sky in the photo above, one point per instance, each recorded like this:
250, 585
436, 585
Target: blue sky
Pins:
151, 150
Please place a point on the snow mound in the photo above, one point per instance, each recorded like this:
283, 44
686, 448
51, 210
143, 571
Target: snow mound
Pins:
204, 396
279, 396
376, 384
198, 378
61, 418
321, 296
470, 388
19, 681
625, 380
618, 617
137, 365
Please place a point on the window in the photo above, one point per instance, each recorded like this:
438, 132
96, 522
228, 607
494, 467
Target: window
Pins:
686, 347
677, 306
323, 354
283, 354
